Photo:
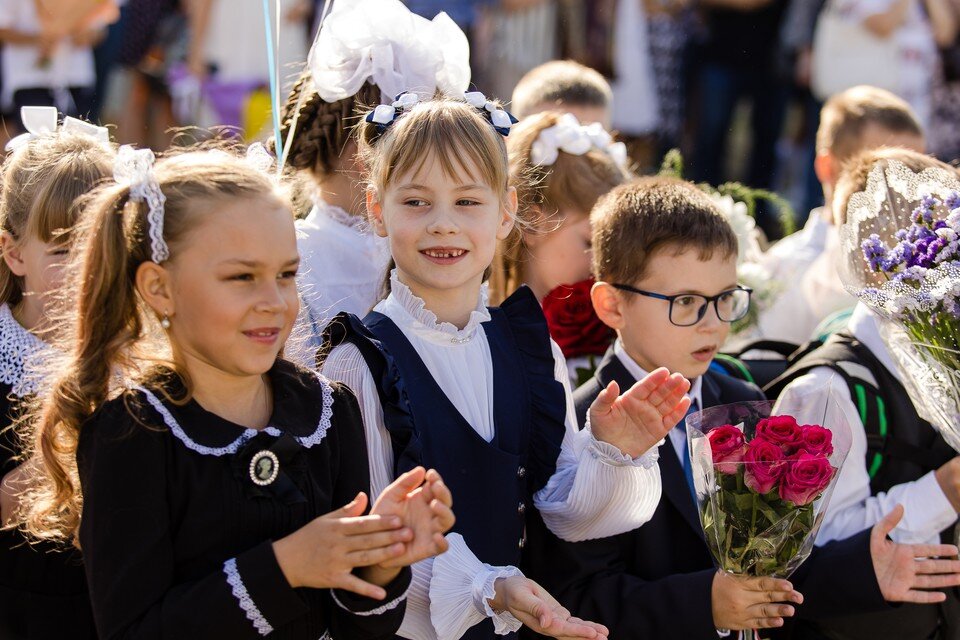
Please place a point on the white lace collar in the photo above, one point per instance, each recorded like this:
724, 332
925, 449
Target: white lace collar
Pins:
20, 355
405, 308
245, 435
341, 216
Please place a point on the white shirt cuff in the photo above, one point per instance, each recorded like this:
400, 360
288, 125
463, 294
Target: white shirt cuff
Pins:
599, 492
460, 587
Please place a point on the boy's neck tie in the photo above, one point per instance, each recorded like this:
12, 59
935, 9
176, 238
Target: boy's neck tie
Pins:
687, 467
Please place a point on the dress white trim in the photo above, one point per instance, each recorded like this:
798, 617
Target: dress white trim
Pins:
247, 434
240, 592
379, 611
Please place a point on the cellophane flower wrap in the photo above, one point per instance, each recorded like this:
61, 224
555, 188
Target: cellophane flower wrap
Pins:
901, 244
763, 481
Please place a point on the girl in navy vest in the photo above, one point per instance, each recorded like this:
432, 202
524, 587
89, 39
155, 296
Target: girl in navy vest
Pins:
203, 476
43, 177
482, 393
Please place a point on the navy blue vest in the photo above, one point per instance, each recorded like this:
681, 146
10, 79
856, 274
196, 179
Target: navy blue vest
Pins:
492, 483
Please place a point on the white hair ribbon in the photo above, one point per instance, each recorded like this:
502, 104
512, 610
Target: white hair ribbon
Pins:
40, 121
133, 168
569, 136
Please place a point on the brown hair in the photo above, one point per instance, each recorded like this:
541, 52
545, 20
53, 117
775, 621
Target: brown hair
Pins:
635, 220
558, 83
449, 130
845, 115
43, 182
323, 129
854, 174
111, 333
571, 184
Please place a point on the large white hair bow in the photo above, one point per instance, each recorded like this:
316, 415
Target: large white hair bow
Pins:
133, 168
383, 41
569, 136
43, 120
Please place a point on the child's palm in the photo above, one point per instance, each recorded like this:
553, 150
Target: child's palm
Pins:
643, 415
425, 510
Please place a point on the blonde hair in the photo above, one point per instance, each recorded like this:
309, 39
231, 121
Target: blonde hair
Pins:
43, 182
560, 83
571, 184
111, 333
845, 115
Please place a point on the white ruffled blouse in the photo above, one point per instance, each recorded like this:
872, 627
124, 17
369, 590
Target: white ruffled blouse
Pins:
342, 264
596, 492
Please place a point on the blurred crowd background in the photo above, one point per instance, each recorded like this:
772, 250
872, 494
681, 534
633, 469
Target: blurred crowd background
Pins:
728, 82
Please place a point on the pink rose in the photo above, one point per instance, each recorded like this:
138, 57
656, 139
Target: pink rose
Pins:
727, 445
816, 440
805, 478
763, 465
782, 431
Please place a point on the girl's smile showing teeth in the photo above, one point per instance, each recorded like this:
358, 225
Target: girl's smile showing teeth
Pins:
264, 335
443, 255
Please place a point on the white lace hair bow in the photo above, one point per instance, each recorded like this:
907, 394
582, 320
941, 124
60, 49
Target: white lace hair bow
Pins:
133, 168
40, 121
569, 136
383, 41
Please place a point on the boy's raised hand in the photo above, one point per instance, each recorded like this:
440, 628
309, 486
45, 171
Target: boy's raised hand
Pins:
424, 505
905, 572
530, 603
642, 416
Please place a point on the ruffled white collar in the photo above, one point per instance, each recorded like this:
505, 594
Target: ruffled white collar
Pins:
410, 311
341, 216
20, 355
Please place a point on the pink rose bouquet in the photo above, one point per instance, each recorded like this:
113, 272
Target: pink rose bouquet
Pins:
762, 481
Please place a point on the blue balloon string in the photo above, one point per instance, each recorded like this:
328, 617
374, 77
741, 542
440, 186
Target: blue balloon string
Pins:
274, 92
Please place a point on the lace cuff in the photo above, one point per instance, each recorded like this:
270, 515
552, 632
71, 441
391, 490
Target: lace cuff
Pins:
246, 603
460, 587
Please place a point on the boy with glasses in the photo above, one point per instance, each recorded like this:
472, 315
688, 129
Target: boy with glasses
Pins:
665, 262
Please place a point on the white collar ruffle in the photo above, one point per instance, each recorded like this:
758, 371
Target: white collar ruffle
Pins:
21, 354
341, 216
405, 308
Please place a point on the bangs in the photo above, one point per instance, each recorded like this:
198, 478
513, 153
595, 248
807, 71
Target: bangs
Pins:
56, 208
455, 135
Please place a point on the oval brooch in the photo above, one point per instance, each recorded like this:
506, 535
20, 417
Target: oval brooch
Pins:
264, 468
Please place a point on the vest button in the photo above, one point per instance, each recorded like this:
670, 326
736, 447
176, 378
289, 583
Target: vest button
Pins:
521, 509
521, 472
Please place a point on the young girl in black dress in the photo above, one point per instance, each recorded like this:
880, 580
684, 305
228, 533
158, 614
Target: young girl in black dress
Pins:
204, 476
43, 592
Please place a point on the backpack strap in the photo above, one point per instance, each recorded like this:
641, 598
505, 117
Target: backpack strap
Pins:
842, 355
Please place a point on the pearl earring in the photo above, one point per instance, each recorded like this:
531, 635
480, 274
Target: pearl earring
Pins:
165, 322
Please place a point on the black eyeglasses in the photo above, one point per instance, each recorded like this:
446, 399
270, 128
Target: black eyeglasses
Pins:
687, 309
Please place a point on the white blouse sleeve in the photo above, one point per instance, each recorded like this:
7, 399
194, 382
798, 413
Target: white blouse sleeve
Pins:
448, 594
597, 491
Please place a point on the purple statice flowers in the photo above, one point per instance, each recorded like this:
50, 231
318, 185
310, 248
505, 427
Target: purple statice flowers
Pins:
927, 242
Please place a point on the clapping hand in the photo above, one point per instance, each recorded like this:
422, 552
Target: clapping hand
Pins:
642, 416
424, 505
907, 572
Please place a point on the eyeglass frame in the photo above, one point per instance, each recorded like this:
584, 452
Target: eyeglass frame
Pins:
703, 310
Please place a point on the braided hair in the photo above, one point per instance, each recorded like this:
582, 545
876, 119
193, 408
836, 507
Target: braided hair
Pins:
322, 128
